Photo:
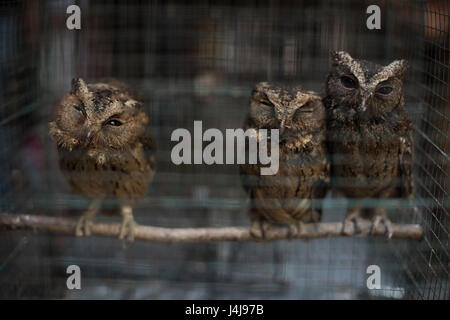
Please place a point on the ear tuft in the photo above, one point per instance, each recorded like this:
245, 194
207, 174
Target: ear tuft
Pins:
338, 57
79, 87
404, 67
398, 68
259, 87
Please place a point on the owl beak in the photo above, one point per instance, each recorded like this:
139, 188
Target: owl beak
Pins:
362, 107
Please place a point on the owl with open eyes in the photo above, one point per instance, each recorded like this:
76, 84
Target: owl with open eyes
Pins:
105, 147
370, 135
292, 195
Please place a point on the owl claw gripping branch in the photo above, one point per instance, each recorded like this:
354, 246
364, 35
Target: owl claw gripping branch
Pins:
105, 148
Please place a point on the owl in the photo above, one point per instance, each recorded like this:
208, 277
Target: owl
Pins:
291, 196
370, 136
105, 148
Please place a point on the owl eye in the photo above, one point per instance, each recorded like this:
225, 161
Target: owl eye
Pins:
267, 108
349, 82
266, 103
79, 109
114, 123
302, 113
384, 90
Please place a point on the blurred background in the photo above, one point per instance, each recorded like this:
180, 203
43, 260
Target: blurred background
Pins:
198, 60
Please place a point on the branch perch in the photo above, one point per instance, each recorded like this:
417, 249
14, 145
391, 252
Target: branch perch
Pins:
169, 235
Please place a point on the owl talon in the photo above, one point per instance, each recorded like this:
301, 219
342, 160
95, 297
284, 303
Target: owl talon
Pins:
347, 225
259, 229
84, 225
86, 221
127, 228
295, 229
387, 224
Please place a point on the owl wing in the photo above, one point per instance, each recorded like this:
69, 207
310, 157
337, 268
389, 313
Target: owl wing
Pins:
406, 187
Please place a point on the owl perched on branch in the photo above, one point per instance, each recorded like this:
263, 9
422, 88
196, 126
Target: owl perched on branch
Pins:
293, 194
370, 135
105, 148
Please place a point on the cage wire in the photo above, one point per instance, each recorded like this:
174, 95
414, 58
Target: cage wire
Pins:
198, 61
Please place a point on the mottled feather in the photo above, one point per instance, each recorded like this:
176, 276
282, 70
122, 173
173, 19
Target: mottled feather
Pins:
290, 195
105, 146
369, 132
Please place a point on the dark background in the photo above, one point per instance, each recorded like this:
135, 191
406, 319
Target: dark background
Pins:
198, 60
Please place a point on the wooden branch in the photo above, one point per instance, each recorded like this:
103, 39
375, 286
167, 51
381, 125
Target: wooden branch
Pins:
169, 235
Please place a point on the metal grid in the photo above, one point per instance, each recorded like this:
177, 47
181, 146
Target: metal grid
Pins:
427, 264
196, 61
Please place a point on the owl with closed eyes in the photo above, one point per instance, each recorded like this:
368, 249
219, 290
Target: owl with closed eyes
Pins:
370, 136
292, 195
105, 148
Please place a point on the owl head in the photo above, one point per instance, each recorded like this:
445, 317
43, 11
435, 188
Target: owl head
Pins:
100, 116
363, 88
287, 108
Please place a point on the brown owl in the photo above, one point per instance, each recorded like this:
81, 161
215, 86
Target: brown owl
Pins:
369, 134
293, 193
105, 148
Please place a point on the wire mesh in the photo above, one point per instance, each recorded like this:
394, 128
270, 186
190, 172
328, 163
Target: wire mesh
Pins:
198, 61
